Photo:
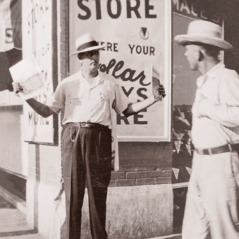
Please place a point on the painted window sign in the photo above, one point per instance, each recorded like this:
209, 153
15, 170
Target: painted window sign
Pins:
10, 25
193, 10
137, 39
116, 9
37, 42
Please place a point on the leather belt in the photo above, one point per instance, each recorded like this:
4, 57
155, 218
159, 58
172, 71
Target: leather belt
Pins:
218, 150
89, 125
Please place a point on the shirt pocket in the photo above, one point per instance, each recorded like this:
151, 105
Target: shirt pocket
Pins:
102, 95
76, 100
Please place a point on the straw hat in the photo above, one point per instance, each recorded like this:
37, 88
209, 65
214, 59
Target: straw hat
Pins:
86, 43
204, 32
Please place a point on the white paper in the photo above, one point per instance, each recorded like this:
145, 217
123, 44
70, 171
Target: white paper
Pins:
29, 75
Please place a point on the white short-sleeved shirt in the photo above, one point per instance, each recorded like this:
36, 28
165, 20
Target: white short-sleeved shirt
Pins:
83, 102
220, 86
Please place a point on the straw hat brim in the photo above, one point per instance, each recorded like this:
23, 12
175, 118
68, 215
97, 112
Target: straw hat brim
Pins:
92, 48
220, 43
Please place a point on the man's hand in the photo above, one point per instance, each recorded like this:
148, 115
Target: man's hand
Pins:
159, 92
158, 88
17, 88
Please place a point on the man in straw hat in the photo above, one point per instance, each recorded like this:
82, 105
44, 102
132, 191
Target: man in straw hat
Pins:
213, 192
87, 99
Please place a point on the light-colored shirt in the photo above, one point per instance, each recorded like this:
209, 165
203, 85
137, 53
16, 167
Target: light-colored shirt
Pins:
216, 108
84, 102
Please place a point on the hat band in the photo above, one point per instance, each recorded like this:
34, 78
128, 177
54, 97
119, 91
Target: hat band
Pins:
86, 45
199, 43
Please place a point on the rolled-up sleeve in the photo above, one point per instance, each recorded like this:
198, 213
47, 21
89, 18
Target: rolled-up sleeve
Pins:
223, 114
120, 101
57, 101
227, 111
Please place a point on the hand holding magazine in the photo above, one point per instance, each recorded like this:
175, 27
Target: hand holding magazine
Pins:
158, 88
27, 78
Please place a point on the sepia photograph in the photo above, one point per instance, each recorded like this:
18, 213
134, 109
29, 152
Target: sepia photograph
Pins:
119, 119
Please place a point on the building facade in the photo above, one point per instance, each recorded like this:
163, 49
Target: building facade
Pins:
149, 176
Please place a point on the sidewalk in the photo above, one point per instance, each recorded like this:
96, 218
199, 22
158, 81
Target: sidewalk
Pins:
13, 223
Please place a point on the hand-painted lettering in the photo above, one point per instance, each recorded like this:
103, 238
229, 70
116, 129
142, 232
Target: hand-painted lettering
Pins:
125, 75
109, 46
149, 7
120, 118
86, 10
8, 35
118, 9
143, 50
115, 9
134, 9
139, 116
127, 92
141, 94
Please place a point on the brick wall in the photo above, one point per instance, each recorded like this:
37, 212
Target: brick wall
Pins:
143, 164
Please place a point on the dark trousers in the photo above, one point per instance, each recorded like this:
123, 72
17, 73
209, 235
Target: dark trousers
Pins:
86, 160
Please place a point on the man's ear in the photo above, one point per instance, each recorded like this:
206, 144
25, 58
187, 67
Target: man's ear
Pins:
200, 55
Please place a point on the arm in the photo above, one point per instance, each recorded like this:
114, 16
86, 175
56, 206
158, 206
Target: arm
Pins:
134, 108
40, 108
223, 114
227, 111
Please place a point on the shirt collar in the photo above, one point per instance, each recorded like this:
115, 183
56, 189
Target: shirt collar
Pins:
202, 79
97, 80
216, 67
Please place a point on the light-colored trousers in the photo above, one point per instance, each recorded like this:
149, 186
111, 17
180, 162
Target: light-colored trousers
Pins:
212, 205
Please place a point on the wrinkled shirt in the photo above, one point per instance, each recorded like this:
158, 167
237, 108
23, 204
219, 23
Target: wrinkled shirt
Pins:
84, 102
216, 108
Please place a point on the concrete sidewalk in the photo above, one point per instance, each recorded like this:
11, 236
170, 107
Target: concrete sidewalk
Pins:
173, 236
13, 223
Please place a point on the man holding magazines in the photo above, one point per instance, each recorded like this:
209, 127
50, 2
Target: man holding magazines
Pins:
87, 99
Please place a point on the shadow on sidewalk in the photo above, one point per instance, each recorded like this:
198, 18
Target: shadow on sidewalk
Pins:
12, 221
17, 233
5, 204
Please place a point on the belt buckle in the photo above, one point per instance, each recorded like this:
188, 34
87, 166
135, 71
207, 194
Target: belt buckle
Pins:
230, 147
199, 151
88, 125
83, 125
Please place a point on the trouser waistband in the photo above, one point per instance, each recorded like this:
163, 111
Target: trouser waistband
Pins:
88, 125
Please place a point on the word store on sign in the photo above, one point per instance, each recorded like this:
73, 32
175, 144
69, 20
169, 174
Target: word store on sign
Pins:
115, 9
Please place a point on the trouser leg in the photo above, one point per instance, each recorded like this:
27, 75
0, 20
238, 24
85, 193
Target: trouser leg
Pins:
74, 180
220, 192
98, 169
212, 200
77, 195
195, 221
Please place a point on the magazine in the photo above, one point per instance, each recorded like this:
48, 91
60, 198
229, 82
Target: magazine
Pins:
29, 75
